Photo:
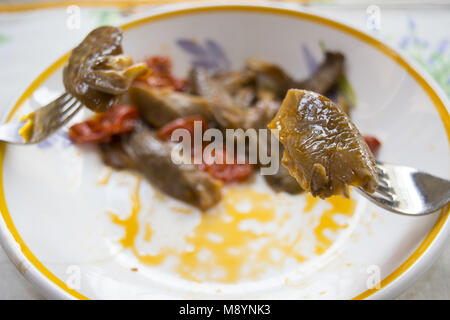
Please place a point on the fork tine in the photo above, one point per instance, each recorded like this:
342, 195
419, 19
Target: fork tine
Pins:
68, 102
62, 99
383, 182
381, 200
74, 108
406, 190
50, 118
381, 171
69, 106
385, 191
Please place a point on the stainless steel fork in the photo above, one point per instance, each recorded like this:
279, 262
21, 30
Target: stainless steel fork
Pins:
44, 121
408, 191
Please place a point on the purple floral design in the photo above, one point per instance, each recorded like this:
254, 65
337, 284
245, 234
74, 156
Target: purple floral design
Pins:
435, 58
210, 56
311, 61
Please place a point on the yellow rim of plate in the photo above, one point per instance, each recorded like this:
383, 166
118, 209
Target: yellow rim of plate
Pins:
443, 113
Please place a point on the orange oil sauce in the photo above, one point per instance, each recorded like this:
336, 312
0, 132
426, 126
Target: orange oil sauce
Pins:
220, 249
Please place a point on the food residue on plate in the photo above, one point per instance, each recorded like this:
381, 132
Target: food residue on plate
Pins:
27, 128
240, 239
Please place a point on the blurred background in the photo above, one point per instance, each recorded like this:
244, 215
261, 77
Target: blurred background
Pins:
35, 33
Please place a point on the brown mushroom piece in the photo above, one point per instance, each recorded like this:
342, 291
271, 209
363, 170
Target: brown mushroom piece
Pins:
160, 106
280, 180
230, 114
283, 181
270, 77
144, 152
245, 96
326, 76
323, 149
225, 110
274, 79
232, 81
97, 72
114, 155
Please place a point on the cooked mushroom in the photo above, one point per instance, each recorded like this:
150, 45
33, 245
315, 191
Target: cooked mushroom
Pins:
184, 182
323, 149
274, 79
225, 109
326, 76
232, 81
114, 155
283, 181
160, 106
97, 72
270, 77
245, 96
280, 180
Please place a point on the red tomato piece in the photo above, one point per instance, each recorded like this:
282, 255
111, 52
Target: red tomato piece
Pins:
187, 123
227, 172
118, 119
373, 143
160, 75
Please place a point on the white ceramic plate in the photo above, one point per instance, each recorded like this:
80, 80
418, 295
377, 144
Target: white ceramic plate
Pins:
79, 230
